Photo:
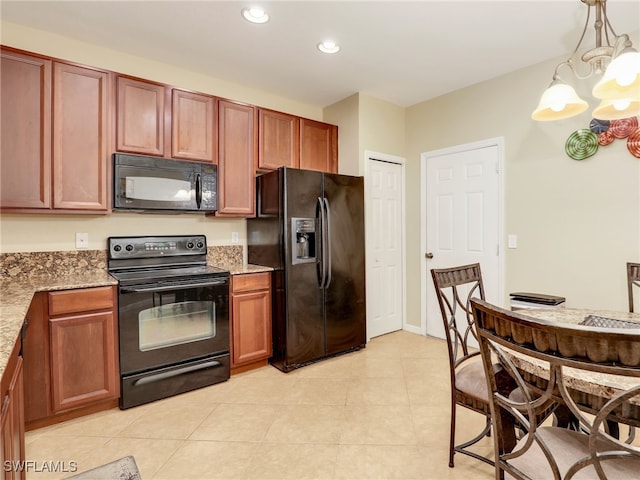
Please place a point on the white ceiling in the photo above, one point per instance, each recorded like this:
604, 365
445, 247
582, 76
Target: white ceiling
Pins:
401, 52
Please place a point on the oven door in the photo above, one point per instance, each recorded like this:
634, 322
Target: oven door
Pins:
163, 324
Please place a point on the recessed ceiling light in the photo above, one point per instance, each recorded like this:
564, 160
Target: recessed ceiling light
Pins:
328, 46
255, 15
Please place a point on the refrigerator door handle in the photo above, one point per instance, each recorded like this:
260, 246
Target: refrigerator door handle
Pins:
327, 242
321, 266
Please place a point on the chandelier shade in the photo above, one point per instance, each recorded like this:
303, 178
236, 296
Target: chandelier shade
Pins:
559, 101
619, 87
622, 77
617, 109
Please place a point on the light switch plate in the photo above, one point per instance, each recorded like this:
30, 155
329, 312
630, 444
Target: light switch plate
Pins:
512, 241
82, 241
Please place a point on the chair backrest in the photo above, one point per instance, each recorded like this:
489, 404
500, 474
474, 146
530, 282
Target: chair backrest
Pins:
633, 281
555, 362
455, 287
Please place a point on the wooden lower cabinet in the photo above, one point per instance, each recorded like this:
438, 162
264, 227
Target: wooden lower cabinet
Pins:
250, 320
83, 360
12, 447
71, 352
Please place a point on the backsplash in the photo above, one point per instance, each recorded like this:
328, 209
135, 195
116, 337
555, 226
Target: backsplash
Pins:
225, 255
36, 264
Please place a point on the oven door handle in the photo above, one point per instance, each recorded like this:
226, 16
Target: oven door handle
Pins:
174, 373
166, 288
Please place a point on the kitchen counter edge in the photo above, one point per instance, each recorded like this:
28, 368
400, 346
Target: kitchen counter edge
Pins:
16, 296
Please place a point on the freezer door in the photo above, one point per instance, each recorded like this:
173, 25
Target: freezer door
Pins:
305, 330
345, 295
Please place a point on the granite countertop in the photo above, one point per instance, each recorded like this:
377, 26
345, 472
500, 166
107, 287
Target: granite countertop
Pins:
17, 292
16, 295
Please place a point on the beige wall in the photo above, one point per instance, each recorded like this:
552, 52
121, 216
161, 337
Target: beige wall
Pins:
382, 128
578, 222
366, 123
345, 115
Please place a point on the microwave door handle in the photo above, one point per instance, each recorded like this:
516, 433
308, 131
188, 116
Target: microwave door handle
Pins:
198, 191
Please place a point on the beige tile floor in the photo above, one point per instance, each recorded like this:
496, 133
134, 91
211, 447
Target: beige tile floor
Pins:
379, 413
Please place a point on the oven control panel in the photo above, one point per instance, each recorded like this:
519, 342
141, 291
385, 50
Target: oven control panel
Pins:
144, 247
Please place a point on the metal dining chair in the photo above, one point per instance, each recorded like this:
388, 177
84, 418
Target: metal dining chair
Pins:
633, 281
454, 289
550, 363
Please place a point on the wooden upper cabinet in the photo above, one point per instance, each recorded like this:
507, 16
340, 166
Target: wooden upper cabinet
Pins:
192, 126
237, 148
25, 136
140, 117
318, 146
80, 138
279, 140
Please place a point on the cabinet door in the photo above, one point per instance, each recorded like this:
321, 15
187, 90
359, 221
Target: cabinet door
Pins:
251, 327
192, 126
237, 145
279, 140
25, 135
80, 138
12, 427
36, 360
84, 366
140, 117
318, 146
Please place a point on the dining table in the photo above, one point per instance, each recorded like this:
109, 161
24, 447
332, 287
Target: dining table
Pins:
591, 390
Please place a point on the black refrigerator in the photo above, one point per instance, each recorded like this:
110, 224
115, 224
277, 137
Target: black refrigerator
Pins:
309, 227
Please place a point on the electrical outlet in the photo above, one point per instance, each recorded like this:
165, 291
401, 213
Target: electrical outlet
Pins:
82, 241
234, 237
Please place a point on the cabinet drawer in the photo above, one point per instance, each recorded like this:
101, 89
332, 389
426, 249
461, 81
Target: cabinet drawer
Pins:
80, 300
251, 281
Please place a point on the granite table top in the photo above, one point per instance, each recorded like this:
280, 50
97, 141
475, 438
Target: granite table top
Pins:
16, 294
599, 384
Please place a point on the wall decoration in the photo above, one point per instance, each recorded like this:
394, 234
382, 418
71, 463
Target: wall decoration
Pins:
584, 143
624, 127
633, 143
581, 144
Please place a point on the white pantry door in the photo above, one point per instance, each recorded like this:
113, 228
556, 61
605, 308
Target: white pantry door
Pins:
463, 219
385, 245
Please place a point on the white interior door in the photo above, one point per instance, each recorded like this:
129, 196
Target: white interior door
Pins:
463, 219
384, 186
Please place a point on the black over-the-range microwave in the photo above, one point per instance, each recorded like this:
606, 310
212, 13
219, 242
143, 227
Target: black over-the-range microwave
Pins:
159, 184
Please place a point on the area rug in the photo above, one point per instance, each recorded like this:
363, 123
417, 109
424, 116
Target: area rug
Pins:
121, 469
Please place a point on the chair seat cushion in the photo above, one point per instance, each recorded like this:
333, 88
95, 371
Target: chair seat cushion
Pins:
471, 379
567, 447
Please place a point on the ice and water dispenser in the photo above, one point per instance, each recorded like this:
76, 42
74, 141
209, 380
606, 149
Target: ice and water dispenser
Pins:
303, 240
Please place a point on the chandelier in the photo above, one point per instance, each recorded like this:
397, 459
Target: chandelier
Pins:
614, 58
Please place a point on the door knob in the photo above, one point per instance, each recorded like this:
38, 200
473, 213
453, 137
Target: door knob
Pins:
428, 255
